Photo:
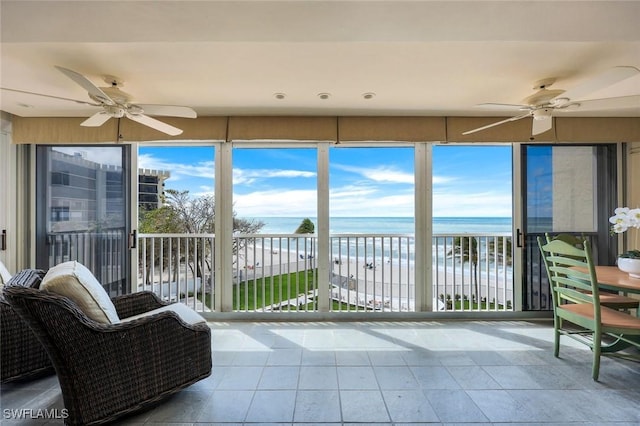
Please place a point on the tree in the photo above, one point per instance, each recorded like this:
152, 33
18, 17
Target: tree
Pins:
467, 249
307, 227
184, 214
244, 226
163, 220
498, 256
196, 215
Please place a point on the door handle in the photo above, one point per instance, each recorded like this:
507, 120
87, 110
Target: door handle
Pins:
133, 239
3, 240
519, 236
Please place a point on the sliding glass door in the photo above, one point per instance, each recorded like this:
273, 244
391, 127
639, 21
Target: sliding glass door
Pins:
567, 189
82, 210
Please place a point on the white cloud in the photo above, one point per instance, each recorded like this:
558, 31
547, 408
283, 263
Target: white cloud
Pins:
303, 203
249, 176
385, 205
389, 175
437, 180
351, 191
203, 190
282, 202
202, 169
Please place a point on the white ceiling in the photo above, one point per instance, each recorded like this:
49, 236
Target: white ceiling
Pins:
231, 57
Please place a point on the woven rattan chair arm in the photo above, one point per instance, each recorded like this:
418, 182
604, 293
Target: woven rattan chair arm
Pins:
136, 303
167, 321
21, 354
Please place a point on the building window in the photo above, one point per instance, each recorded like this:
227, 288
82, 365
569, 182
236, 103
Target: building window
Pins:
60, 178
59, 214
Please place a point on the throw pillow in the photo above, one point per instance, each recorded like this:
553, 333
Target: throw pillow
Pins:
27, 278
75, 281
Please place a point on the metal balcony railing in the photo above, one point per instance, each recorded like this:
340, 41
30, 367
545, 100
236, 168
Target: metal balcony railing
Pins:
368, 273
103, 252
178, 267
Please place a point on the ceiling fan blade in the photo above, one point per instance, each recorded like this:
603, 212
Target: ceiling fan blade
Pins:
168, 110
97, 119
622, 102
497, 123
83, 81
49, 96
605, 79
496, 106
154, 124
541, 125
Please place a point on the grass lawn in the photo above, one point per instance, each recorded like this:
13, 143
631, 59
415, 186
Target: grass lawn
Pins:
272, 290
267, 291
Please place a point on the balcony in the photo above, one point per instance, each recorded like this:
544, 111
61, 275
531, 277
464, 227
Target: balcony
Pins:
367, 273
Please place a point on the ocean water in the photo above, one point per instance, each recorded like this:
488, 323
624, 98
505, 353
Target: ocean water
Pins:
390, 225
396, 250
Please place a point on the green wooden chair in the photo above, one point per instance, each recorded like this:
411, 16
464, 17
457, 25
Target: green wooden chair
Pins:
576, 300
608, 299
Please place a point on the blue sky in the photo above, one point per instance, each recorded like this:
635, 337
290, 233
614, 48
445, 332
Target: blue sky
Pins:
468, 181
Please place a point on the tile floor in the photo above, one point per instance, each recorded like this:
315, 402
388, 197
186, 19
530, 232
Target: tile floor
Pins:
383, 373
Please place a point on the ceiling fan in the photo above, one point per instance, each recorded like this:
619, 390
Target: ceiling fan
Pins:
117, 104
543, 103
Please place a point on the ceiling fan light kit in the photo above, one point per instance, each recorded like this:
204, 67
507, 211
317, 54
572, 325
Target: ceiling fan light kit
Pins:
542, 104
542, 114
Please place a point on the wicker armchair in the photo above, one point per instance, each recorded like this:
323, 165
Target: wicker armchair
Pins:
110, 370
22, 356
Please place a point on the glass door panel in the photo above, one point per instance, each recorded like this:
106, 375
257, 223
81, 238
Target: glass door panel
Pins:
567, 189
82, 211
472, 228
176, 240
274, 206
372, 208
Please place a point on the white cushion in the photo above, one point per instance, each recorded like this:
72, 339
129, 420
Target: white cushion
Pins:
5, 276
75, 281
185, 313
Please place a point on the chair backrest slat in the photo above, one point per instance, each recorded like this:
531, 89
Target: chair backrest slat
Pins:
571, 272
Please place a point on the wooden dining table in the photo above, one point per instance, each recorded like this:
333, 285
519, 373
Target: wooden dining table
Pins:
612, 278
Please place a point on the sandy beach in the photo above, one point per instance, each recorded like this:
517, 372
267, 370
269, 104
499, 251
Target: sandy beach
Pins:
366, 283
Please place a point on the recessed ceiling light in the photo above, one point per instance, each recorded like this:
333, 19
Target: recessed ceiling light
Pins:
279, 95
369, 95
324, 95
